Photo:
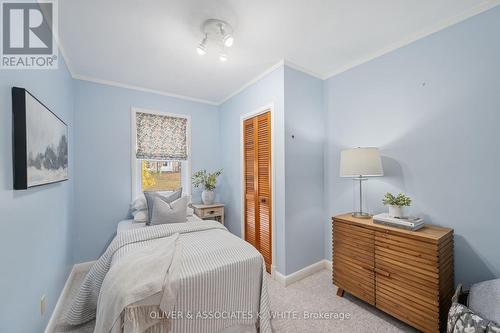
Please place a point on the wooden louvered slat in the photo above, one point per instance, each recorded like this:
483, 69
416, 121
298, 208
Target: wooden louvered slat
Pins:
258, 205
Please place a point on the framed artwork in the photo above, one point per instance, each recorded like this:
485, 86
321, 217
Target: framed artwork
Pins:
40, 142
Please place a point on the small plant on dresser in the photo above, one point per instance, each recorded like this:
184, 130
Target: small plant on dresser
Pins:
396, 204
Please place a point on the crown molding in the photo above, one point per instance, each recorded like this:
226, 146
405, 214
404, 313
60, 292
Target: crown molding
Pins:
482, 7
63, 54
282, 62
142, 89
252, 81
302, 69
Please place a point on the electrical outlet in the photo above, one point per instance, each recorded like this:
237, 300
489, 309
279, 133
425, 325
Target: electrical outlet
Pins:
42, 305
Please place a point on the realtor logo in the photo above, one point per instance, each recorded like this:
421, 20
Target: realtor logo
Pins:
28, 30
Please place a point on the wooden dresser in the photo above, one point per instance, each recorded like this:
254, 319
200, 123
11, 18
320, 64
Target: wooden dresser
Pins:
407, 274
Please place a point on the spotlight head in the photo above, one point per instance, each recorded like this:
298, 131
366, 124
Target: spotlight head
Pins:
202, 47
228, 40
223, 56
227, 37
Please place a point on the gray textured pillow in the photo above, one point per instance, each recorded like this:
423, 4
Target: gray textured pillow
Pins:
174, 212
484, 299
150, 197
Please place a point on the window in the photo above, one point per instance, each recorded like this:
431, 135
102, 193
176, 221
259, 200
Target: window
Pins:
161, 175
160, 156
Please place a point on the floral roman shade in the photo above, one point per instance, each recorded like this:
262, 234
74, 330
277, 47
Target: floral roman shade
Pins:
161, 137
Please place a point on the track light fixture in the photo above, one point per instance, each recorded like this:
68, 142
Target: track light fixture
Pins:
216, 32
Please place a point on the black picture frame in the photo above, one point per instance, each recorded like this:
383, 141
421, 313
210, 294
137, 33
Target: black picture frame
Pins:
49, 168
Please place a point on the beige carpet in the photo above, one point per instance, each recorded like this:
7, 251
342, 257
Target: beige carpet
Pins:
314, 294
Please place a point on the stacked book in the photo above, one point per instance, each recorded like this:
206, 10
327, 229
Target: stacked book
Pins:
408, 223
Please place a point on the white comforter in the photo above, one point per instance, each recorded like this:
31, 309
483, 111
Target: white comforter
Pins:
220, 283
125, 284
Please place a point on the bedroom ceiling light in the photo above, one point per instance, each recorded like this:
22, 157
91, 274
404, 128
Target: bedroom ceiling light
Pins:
216, 32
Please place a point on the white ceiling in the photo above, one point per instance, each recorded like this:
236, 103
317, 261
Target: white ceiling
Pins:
151, 44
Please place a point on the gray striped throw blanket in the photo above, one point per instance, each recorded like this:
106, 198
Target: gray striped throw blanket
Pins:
219, 280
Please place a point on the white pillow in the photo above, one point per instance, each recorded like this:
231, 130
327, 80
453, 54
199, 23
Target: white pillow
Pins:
139, 203
174, 212
189, 211
140, 216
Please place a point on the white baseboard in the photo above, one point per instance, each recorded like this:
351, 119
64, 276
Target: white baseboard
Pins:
328, 264
51, 325
286, 280
273, 272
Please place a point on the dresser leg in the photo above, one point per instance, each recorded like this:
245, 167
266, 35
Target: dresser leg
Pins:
340, 292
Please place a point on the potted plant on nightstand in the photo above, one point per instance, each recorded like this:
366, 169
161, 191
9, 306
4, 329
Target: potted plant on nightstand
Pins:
396, 204
209, 182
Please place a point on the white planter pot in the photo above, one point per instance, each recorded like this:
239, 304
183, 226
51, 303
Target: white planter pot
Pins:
396, 211
208, 197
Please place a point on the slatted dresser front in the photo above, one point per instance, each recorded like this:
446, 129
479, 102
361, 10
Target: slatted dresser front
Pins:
408, 274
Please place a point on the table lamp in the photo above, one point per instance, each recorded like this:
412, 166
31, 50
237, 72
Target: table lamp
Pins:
359, 164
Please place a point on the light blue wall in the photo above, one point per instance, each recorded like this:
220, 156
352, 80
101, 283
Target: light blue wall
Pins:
267, 90
305, 218
35, 228
433, 108
103, 159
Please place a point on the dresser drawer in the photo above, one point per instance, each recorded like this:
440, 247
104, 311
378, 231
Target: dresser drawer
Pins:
211, 212
407, 280
406, 311
408, 259
353, 260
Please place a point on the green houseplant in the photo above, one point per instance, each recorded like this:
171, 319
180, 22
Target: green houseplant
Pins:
396, 204
209, 183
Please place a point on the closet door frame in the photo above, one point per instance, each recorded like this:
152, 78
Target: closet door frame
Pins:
266, 108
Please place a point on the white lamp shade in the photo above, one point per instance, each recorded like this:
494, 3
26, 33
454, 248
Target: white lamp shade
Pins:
360, 162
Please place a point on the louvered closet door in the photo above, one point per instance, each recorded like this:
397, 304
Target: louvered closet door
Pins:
250, 188
264, 186
258, 205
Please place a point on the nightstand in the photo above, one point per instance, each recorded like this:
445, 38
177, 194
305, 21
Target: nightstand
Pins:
210, 212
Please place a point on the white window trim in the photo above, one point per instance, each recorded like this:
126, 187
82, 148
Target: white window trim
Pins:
259, 111
136, 190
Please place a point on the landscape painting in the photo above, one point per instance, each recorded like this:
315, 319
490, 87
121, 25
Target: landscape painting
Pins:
41, 156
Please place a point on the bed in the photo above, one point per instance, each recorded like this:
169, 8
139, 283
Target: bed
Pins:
215, 284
